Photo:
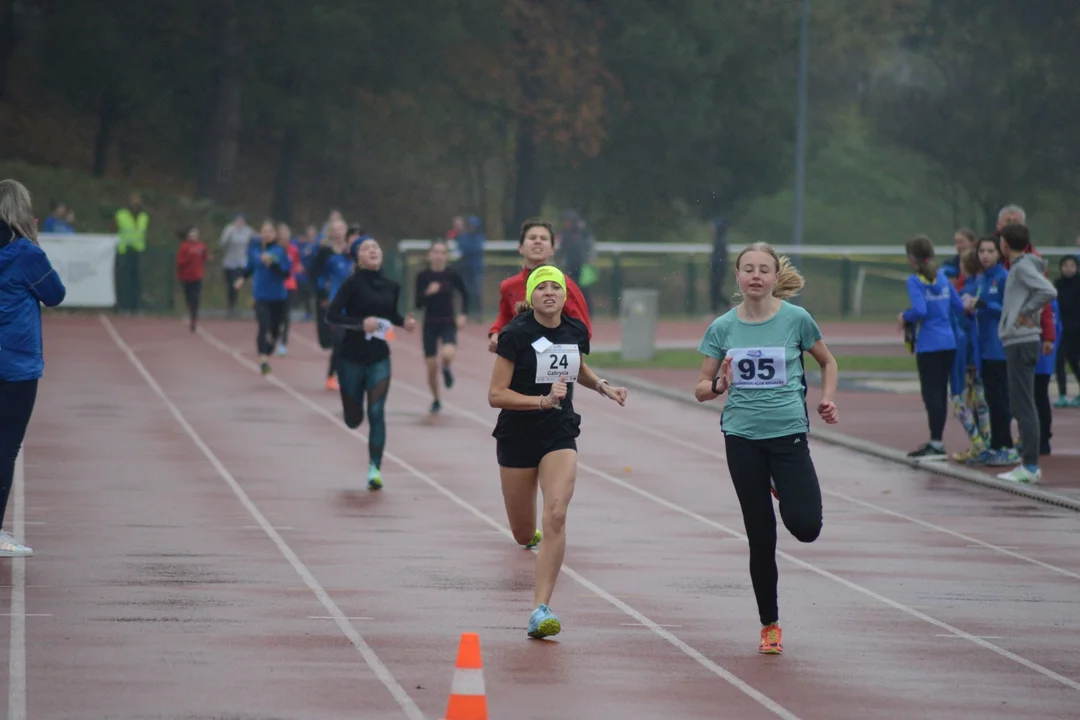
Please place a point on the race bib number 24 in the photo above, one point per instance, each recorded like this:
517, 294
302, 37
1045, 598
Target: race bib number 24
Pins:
556, 362
758, 367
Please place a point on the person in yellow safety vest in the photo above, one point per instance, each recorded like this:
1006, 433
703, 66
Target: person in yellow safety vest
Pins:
131, 225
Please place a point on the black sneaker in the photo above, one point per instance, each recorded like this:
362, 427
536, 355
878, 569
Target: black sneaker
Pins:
448, 377
436, 406
264, 368
928, 452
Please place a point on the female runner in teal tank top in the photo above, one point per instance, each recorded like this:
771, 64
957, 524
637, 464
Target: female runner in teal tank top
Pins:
755, 350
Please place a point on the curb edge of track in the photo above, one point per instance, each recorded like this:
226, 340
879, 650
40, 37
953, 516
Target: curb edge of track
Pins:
866, 447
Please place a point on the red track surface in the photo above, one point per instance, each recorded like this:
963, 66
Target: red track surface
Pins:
155, 592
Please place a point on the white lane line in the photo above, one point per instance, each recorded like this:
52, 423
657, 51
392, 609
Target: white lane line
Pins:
327, 617
17, 644
373, 661
705, 662
984, 637
797, 561
704, 450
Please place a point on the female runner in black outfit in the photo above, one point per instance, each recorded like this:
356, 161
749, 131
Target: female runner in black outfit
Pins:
435, 286
366, 306
539, 357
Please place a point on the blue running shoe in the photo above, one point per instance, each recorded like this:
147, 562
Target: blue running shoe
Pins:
374, 478
543, 623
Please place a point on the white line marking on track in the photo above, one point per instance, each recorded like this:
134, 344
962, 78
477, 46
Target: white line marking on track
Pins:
984, 637
689, 651
975, 542
17, 642
27, 615
640, 625
908, 610
327, 617
373, 661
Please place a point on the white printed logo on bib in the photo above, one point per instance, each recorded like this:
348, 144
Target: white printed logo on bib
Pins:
384, 327
556, 362
758, 367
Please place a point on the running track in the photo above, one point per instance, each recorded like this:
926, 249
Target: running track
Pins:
205, 548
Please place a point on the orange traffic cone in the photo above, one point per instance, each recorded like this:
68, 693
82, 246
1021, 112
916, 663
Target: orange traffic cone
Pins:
467, 698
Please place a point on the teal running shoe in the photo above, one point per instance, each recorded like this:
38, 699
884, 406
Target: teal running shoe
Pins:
543, 623
536, 538
374, 478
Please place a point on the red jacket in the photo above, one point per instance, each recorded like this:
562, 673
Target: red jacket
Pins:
1046, 320
296, 266
512, 291
191, 261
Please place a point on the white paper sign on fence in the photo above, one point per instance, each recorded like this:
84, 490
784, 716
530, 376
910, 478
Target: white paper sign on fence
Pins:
85, 263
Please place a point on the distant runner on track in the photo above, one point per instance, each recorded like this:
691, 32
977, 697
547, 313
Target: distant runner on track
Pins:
756, 350
536, 243
539, 358
366, 306
435, 286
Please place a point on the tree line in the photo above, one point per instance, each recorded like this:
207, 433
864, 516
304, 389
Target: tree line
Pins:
638, 113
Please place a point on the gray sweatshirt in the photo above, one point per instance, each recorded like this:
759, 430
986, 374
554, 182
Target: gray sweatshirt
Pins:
234, 241
1026, 292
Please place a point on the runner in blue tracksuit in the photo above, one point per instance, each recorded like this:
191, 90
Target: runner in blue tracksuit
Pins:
987, 304
268, 266
330, 267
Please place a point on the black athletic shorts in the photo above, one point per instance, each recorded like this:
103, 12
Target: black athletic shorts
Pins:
433, 332
517, 453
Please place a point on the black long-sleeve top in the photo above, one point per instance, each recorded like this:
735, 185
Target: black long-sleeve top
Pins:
366, 293
439, 307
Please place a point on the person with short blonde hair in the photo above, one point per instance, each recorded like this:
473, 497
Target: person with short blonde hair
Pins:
27, 281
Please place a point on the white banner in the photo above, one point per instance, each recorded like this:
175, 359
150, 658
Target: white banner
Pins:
85, 264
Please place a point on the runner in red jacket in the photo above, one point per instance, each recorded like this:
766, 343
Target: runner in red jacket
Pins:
536, 243
191, 259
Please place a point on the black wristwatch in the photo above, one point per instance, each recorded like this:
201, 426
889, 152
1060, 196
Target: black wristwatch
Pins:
714, 385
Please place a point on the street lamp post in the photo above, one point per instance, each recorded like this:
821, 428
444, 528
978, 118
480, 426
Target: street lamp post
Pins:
800, 133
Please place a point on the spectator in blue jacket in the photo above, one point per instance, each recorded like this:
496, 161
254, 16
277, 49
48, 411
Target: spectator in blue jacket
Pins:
268, 266
968, 394
990, 291
933, 303
27, 280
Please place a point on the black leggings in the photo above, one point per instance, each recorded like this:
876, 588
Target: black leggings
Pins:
231, 293
996, 384
934, 370
357, 381
16, 406
786, 461
270, 314
192, 292
286, 317
1042, 406
1068, 352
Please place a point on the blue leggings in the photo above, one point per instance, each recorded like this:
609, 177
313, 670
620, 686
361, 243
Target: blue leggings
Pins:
355, 381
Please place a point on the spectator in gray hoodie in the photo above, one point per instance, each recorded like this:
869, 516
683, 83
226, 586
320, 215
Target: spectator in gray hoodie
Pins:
1027, 291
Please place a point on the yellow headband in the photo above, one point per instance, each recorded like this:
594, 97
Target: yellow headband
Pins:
544, 273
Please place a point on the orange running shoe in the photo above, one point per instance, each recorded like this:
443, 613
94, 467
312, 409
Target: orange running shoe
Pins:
331, 383
770, 640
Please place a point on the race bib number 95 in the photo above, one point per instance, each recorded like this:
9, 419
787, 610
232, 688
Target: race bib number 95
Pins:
758, 367
556, 362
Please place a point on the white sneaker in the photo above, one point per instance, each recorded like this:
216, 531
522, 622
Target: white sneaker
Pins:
1022, 475
10, 548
